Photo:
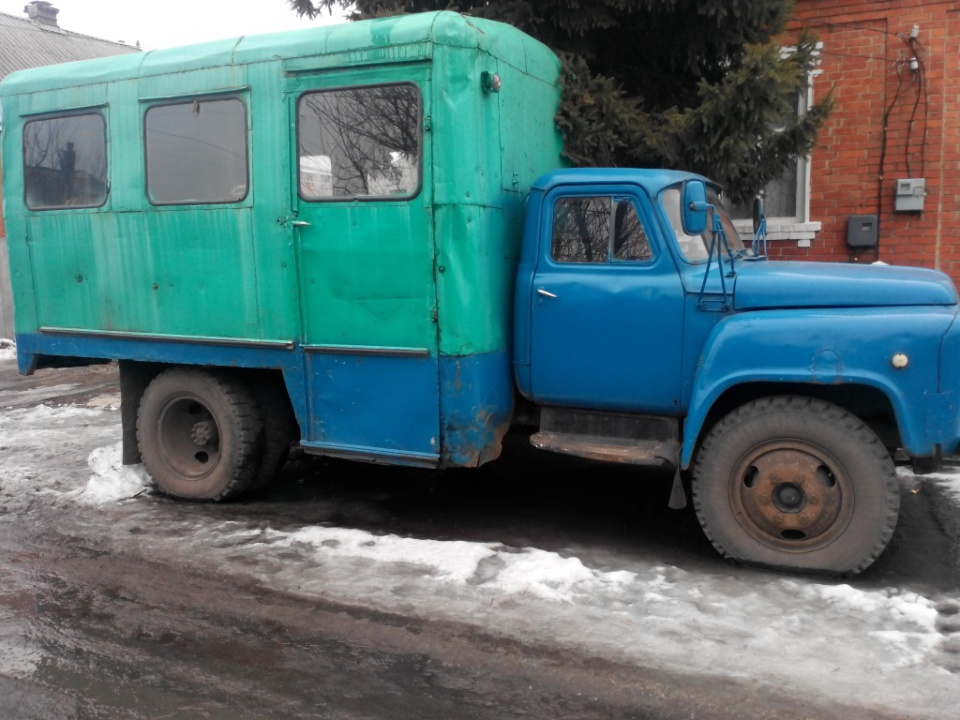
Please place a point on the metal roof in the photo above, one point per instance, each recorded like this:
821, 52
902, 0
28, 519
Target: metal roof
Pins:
403, 38
26, 44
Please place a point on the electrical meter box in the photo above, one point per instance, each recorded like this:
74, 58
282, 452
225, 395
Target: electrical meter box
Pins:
910, 194
862, 231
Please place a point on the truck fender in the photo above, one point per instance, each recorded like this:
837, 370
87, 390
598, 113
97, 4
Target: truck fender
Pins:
820, 347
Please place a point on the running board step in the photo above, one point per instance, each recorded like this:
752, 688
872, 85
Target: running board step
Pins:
609, 437
660, 453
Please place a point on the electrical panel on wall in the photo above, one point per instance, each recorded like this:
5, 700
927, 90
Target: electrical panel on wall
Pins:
910, 195
862, 231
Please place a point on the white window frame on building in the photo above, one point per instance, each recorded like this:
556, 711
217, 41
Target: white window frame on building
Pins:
798, 227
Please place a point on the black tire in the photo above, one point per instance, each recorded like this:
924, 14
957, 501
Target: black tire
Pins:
798, 484
200, 434
278, 429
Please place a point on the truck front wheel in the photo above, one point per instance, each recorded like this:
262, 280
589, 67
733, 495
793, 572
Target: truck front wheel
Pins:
795, 483
200, 434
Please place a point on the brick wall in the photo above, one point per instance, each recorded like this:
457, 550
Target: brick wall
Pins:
861, 48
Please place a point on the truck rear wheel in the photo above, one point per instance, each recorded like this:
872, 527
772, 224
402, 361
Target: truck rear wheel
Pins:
200, 434
796, 483
278, 429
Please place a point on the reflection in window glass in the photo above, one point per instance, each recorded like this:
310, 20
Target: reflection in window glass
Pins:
197, 152
65, 162
598, 230
629, 239
359, 142
581, 231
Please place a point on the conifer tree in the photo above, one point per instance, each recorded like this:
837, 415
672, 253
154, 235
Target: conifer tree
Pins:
701, 85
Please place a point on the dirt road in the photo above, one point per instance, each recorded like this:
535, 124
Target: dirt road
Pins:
149, 608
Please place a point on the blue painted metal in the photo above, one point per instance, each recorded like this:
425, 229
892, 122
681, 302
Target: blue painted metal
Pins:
476, 406
693, 208
800, 285
829, 346
810, 324
719, 246
376, 403
611, 327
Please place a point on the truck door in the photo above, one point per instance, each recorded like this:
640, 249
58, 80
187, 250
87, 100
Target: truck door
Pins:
607, 306
362, 224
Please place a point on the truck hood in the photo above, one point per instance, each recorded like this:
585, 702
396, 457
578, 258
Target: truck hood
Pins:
774, 284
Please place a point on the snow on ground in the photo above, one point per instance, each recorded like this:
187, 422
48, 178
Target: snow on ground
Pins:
883, 648
8, 349
949, 483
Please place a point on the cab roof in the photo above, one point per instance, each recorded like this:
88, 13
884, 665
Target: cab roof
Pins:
652, 180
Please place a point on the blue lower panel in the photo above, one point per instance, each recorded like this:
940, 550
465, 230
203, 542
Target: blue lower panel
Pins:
30, 346
476, 407
412, 410
367, 406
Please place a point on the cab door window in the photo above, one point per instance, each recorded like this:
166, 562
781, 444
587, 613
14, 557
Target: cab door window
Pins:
598, 230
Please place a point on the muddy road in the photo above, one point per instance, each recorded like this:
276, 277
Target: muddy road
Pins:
536, 587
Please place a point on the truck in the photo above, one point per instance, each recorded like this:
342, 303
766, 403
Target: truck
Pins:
364, 239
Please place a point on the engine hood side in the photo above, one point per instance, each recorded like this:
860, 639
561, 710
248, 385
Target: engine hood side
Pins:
775, 284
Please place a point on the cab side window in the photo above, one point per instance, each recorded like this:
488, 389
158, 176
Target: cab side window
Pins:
598, 230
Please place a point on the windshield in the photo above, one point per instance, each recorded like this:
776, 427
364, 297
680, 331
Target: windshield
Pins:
695, 248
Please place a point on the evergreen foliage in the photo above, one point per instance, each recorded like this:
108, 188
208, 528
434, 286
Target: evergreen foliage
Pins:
699, 85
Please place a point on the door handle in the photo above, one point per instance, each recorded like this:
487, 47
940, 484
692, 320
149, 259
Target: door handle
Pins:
545, 293
300, 223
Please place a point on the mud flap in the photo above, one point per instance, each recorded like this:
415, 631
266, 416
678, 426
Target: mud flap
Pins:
678, 496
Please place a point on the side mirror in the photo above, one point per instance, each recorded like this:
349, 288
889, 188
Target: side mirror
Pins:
757, 213
693, 210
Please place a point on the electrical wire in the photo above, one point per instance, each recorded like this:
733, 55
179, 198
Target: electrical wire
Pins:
883, 150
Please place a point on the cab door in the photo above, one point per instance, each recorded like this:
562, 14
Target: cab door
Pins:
364, 234
607, 306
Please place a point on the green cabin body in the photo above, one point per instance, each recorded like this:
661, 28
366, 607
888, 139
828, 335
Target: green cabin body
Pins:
383, 302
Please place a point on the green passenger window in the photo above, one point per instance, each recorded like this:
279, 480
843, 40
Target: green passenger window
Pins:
361, 142
598, 230
65, 162
196, 152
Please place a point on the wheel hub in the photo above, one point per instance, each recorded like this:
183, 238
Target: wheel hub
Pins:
791, 495
203, 433
189, 437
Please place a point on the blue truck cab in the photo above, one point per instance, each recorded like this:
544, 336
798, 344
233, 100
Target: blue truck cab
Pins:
784, 388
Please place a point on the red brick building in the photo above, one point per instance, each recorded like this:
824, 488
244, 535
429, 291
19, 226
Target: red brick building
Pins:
893, 67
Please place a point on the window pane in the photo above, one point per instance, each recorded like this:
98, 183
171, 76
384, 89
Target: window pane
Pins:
780, 194
197, 152
359, 142
581, 230
629, 238
65, 162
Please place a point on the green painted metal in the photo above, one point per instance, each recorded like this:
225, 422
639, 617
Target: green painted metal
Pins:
432, 272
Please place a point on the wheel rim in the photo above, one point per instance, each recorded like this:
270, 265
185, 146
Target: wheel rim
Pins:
791, 496
189, 437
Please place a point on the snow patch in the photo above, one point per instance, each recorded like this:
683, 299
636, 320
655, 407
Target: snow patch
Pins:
527, 571
948, 481
111, 481
8, 349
